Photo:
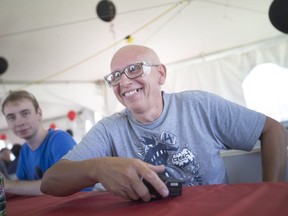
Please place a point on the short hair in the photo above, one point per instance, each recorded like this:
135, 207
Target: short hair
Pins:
19, 95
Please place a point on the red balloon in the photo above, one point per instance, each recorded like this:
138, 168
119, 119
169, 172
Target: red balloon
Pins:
71, 115
52, 125
3, 137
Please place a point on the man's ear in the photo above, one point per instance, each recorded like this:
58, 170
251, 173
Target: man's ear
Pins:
161, 74
39, 112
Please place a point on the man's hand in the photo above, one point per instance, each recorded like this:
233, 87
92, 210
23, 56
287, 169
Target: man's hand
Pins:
123, 176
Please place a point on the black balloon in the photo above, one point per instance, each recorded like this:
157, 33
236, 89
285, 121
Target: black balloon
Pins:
278, 15
3, 65
106, 10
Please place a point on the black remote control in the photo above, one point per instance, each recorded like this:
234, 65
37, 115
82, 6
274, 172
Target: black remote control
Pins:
174, 186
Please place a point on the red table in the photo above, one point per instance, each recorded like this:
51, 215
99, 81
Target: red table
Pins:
238, 199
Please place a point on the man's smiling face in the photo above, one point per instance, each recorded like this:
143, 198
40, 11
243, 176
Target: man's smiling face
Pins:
140, 93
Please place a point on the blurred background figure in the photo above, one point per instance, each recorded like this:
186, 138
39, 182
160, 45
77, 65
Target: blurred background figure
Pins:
13, 165
5, 161
5, 156
3, 169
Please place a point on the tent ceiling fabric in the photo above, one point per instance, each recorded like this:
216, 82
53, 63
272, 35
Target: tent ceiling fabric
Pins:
65, 42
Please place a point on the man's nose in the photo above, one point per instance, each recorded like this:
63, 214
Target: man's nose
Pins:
124, 80
19, 121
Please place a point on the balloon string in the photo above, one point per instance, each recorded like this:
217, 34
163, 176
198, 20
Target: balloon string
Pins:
159, 16
105, 49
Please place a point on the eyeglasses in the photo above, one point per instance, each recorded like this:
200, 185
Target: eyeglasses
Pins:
132, 71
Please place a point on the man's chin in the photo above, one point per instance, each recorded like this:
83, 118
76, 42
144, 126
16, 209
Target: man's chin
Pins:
23, 135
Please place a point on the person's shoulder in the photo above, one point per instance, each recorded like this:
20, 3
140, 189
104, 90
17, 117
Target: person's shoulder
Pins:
59, 136
52, 132
55, 134
192, 94
187, 92
117, 116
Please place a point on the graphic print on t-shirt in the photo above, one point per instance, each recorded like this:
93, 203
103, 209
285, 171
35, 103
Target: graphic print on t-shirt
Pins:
179, 163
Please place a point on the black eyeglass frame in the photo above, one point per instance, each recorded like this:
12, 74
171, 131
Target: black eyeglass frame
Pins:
145, 68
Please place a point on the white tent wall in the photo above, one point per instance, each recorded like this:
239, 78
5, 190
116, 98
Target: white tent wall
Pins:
265, 90
223, 73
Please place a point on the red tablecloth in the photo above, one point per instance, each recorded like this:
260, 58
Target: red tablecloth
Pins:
239, 199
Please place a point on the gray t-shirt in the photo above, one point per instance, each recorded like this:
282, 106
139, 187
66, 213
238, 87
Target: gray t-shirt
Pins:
187, 137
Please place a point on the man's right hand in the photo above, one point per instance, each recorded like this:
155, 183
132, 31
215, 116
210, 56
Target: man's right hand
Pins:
123, 176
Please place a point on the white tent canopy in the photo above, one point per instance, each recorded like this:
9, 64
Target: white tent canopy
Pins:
60, 50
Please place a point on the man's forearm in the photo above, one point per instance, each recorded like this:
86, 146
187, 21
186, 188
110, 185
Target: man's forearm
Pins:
28, 188
67, 177
274, 154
